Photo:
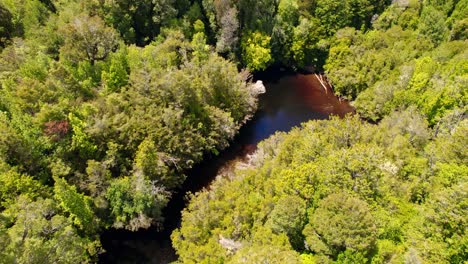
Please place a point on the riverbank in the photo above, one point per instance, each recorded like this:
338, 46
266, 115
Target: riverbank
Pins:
290, 99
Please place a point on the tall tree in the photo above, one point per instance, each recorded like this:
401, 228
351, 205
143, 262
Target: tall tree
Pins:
88, 38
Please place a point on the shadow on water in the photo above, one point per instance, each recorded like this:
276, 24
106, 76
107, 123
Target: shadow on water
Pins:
291, 98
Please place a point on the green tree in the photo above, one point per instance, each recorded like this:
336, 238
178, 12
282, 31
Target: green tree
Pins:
156, 165
6, 28
14, 184
139, 22
288, 217
200, 48
266, 254
282, 35
306, 36
432, 24
135, 202
256, 50
39, 234
340, 222
88, 38
257, 15
333, 15
445, 221
81, 141
116, 76
77, 204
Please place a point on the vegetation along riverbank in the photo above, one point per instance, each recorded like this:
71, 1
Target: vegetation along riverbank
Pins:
106, 108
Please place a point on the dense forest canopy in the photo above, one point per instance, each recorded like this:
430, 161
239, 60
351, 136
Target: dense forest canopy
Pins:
338, 191
106, 105
346, 191
96, 133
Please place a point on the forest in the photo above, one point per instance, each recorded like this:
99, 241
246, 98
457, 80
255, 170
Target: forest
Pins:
106, 105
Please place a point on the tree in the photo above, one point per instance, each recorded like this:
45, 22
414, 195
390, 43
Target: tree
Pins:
304, 47
228, 39
76, 204
288, 217
139, 21
6, 26
266, 254
27, 16
341, 222
39, 234
256, 50
116, 76
135, 202
257, 15
432, 25
333, 15
156, 165
282, 35
351, 257
87, 38
200, 49
81, 140
445, 221
14, 184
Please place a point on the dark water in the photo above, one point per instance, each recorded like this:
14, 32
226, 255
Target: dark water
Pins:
290, 100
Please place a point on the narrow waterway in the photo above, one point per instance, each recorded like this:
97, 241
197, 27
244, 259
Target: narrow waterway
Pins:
291, 98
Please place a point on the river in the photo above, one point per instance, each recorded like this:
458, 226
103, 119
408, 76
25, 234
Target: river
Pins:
290, 99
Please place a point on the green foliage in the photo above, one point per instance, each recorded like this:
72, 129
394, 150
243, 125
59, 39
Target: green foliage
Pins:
256, 50
432, 25
265, 254
155, 165
402, 63
306, 37
116, 76
138, 22
87, 38
282, 34
294, 28
102, 131
341, 224
369, 190
81, 141
97, 132
39, 234
333, 14
26, 16
6, 28
14, 184
77, 204
288, 217
446, 221
135, 202
201, 50
257, 15
349, 256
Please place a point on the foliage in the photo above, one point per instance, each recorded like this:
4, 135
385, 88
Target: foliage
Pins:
370, 193
76, 204
340, 223
135, 203
407, 60
256, 50
6, 28
87, 38
106, 105
40, 234
96, 132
